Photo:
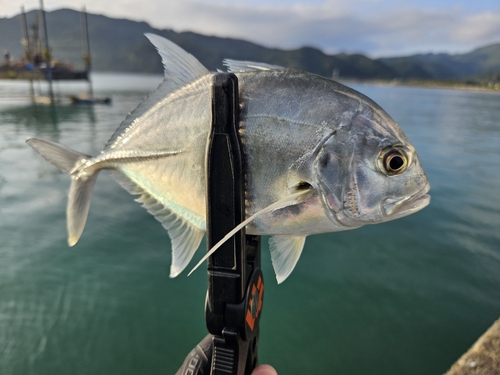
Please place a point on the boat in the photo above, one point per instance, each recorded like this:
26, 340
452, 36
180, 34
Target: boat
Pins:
37, 63
86, 99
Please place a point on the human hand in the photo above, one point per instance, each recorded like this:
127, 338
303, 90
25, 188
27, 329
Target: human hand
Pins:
264, 370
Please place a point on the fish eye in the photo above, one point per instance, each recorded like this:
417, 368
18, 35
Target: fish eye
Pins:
394, 161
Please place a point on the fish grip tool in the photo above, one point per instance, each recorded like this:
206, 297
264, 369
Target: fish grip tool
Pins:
235, 280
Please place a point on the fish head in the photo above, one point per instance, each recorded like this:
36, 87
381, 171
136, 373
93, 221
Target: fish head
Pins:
368, 172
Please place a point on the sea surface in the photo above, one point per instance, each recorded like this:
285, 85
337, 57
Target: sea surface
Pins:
405, 297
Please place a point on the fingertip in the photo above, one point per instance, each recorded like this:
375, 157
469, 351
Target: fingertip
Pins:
264, 370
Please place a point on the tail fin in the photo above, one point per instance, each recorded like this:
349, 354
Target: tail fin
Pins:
80, 192
58, 155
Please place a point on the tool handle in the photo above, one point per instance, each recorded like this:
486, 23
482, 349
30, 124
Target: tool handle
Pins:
235, 282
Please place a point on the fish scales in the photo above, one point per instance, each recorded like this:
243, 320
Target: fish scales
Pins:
285, 115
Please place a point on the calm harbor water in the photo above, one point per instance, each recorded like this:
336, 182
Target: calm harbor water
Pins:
404, 297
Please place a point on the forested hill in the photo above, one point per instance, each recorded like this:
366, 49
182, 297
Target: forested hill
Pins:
119, 45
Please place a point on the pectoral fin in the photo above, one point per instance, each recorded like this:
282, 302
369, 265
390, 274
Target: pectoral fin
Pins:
285, 252
282, 203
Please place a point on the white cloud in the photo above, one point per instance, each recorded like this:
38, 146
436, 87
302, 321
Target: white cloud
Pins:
484, 26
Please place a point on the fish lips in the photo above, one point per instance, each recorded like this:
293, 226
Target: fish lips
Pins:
397, 207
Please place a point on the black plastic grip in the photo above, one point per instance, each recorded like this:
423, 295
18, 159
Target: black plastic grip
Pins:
235, 282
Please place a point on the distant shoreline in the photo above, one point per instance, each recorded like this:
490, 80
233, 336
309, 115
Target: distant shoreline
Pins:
453, 85
464, 86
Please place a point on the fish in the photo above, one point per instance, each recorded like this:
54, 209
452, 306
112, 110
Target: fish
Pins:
319, 157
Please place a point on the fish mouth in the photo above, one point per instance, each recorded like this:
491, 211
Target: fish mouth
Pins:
402, 207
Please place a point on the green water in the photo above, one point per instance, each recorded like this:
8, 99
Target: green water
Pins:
404, 297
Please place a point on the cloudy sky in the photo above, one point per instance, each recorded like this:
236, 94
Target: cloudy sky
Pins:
373, 27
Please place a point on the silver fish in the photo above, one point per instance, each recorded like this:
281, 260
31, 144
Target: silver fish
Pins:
320, 157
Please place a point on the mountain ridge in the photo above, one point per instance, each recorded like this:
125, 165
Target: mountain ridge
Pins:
119, 45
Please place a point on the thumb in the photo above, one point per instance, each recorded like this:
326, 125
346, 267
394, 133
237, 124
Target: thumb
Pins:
264, 370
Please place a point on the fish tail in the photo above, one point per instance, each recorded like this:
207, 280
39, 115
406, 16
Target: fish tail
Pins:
82, 184
80, 194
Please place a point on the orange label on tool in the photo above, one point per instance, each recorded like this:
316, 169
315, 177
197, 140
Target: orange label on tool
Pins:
255, 303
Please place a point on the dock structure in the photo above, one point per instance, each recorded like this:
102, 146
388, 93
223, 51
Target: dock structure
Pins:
483, 358
37, 64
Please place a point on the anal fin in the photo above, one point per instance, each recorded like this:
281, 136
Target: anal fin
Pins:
285, 253
185, 236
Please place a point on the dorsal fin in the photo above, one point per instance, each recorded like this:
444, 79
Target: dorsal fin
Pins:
234, 66
181, 68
